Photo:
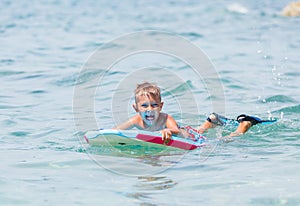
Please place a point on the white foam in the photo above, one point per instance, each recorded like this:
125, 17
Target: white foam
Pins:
237, 8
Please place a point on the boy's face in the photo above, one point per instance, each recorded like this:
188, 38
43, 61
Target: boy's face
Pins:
149, 109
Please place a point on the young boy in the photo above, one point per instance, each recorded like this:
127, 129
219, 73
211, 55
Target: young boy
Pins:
148, 106
149, 117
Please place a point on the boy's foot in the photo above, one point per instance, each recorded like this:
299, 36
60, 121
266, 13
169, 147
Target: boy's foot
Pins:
217, 119
252, 119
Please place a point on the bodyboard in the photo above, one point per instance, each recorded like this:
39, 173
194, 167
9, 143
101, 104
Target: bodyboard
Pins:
139, 138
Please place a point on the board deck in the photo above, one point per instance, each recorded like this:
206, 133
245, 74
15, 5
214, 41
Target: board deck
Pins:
138, 138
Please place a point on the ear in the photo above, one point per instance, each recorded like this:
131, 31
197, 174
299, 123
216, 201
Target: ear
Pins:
135, 107
161, 105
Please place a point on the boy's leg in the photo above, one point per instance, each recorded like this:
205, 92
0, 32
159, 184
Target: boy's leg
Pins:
212, 121
245, 122
204, 127
241, 129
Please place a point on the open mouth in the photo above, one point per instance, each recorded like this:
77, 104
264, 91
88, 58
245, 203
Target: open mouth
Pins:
149, 117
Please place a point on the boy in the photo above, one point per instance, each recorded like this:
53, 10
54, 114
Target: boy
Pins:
149, 117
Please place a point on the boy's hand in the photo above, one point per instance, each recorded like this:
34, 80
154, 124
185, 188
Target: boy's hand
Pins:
166, 135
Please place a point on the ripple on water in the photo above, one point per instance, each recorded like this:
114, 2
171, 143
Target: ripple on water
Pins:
75, 79
280, 98
289, 109
39, 91
19, 133
10, 73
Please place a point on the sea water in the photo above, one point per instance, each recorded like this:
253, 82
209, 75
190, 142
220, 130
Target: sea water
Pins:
45, 45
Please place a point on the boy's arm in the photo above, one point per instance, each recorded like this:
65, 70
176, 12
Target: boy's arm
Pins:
172, 128
130, 123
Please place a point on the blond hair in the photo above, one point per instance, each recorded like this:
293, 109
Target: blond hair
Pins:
149, 90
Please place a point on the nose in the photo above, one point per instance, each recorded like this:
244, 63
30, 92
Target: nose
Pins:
150, 107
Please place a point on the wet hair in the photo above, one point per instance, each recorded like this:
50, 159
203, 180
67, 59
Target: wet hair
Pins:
149, 90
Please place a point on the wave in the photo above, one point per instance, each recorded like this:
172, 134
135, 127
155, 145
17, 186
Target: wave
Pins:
289, 109
75, 79
279, 98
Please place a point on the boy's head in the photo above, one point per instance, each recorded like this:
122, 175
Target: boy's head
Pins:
149, 90
148, 102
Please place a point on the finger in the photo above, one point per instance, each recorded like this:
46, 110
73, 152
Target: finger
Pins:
167, 135
163, 136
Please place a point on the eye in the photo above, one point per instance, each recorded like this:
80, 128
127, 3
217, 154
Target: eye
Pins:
154, 105
144, 105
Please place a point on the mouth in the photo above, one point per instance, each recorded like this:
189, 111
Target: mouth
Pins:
149, 117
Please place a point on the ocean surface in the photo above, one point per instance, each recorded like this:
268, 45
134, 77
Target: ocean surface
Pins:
55, 86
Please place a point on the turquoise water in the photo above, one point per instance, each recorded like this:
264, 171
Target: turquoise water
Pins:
45, 44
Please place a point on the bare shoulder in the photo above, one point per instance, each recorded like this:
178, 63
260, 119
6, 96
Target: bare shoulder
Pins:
168, 119
136, 119
163, 116
130, 123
